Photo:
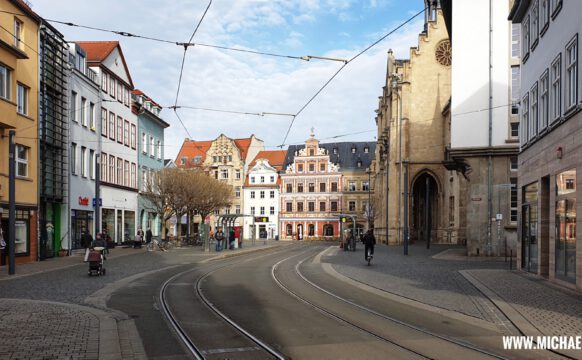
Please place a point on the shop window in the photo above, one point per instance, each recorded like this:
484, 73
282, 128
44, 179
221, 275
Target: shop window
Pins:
311, 230
565, 257
328, 230
289, 229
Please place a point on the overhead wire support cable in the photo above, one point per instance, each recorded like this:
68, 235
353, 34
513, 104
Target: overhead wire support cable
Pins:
343, 66
182, 67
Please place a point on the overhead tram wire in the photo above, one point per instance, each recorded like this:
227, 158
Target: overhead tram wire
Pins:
344, 65
182, 67
190, 43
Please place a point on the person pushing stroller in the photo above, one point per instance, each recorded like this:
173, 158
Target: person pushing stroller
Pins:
96, 257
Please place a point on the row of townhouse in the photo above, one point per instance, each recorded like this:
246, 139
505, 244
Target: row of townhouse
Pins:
75, 117
297, 194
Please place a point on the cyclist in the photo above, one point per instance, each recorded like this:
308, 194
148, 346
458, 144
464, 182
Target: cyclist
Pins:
369, 241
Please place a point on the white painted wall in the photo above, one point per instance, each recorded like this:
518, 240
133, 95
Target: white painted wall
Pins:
470, 73
261, 169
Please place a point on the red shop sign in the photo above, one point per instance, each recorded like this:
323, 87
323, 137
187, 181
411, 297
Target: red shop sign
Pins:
83, 201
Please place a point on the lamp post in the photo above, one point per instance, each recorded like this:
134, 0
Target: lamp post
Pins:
369, 172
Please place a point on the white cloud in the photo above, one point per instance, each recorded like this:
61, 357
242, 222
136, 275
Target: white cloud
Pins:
241, 82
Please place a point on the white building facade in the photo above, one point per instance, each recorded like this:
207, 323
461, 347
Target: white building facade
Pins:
85, 145
261, 201
483, 124
118, 132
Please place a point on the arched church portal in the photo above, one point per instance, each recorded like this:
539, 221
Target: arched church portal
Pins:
424, 217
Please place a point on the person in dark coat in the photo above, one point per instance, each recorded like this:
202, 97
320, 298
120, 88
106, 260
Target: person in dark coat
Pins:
86, 241
149, 237
369, 241
219, 237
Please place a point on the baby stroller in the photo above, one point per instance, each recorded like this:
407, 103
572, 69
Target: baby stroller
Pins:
95, 260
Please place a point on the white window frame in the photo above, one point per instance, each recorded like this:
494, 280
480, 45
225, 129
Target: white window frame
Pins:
74, 106
544, 14
262, 194
237, 174
556, 89
92, 116
272, 194
252, 194
224, 174
104, 122
571, 68
112, 129
18, 33
152, 146
533, 115
92, 164
22, 99
262, 210
144, 143
515, 40
74, 159
126, 129
544, 101
524, 119
159, 149
525, 36
83, 111
5, 81
83, 161
535, 25
21, 160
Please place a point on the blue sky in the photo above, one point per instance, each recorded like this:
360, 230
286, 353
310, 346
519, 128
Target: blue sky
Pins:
227, 80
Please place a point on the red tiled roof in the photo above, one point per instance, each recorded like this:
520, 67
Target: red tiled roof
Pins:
276, 158
141, 93
98, 51
243, 146
189, 150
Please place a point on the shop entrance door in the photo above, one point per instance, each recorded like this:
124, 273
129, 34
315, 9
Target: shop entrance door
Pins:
529, 243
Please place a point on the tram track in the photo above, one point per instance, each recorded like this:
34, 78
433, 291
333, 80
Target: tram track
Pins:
382, 337
197, 351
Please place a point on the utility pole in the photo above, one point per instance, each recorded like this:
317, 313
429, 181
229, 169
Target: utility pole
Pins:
406, 207
11, 203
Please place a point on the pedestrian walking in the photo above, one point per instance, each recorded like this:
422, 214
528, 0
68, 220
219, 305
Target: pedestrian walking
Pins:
219, 237
138, 239
369, 241
149, 236
86, 241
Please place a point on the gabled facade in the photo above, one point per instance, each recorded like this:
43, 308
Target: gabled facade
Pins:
118, 138
311, 194
19, 79
226, 160
150, 155
84, 143
261, 195
550, 157
414, 192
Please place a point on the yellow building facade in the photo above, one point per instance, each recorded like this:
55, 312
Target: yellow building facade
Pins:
19, 78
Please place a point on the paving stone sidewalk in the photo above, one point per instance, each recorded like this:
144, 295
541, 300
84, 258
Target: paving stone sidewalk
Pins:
64, 327
442, 278
551, 310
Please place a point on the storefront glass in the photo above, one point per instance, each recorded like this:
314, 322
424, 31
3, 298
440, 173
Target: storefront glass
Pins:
108, 222
22, 230
529, 230
80, 221
129, 225
566, 225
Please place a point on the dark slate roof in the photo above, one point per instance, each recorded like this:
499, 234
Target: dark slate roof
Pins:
343, 154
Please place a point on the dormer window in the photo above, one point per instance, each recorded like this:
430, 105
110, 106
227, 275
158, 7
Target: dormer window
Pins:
311, 152
184, 159
359, 163
252, 179
335, 150
366, 150
353, 149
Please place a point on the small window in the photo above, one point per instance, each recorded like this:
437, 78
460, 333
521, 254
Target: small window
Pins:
18, 27
83, 161
359, 163
83, 111
237, 174
335, 150
289, 229
262, 210
300, 187
22, 99
21, 161
311, 187
74, 106
311, 206
366, 150
322, 167
252, 194
334, 206
252, 210
74, 159
513, 163
272, 179
224, 174
252, 179
351, 186
333, 187
352, 206
262, 179
322, 187
514, 129
104, 122
365, 186
300, 167
92, 116
272, 194
272, 210
353, 150
289, 188
299, 207
289, 207
183, 160
311, 167
322, 206
262, 194
237, 192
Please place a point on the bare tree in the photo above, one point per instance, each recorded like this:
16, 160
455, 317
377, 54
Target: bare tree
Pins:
208, 194
159, 190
